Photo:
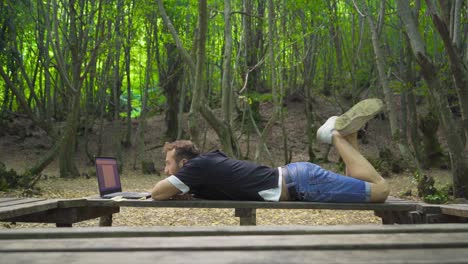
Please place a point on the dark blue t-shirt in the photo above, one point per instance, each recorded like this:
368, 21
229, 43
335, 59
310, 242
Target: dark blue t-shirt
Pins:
214, 176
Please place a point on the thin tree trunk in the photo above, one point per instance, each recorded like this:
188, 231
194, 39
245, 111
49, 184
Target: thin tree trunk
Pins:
139, 135
226, 80
117, 84
389, 99
310, 66
127, 50
198, 91
276, 104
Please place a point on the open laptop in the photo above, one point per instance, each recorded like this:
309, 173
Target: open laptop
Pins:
109, 180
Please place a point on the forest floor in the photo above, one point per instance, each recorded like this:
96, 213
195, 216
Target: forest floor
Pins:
20, 152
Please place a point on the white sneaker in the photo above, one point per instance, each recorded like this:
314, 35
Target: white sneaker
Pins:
324, 133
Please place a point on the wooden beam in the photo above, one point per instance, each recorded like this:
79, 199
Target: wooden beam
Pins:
242, 243
65, 216
178, 231
395, 256
460, 210
397, 206
247, 216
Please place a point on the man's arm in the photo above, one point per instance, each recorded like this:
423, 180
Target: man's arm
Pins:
163, 190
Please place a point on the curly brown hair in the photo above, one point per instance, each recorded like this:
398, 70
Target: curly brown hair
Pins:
184, 149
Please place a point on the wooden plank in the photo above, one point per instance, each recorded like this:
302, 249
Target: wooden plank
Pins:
69, 203
21, 201
65, 216
253, 204
223, 243
439, 256
6, 199
26, 208
460, 210
112, 232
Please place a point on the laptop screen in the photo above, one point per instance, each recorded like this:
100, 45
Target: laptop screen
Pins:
108, 175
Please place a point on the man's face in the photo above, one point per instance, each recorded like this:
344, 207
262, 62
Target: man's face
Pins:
172, 166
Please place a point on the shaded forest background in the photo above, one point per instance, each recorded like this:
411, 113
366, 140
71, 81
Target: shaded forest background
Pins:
77, 68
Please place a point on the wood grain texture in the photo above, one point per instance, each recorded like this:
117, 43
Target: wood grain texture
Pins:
447, 243
398, 205
245, 242
460, 210
13, 201
30, 207
115, 232
433, 256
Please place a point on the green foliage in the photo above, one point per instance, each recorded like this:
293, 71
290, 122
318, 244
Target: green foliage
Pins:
10, 179
437, 198
260, 97
428, 192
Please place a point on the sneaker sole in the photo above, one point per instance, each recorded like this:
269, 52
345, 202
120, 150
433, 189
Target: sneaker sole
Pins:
358, 116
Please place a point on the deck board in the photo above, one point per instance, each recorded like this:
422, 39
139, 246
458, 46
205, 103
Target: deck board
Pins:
328, 244
389, 205
28, 206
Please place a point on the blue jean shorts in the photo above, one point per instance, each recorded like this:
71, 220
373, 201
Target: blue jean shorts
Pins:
314, 184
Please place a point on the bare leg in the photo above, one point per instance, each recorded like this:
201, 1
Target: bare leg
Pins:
352, 139
359, 167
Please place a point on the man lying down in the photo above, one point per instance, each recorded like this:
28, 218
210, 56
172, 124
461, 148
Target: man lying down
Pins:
215, 176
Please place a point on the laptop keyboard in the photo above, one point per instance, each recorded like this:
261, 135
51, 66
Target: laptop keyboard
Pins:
128, 195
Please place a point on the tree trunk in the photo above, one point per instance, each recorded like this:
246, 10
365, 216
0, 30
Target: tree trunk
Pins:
458, 69
308, 73
198, 105
68, 144
198, 91
139, 137
117, 84
127, 49
276, 103
67, 149
429, 71
170, 81
226, 80
389, 99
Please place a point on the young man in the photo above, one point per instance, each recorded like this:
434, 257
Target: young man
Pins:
215, 176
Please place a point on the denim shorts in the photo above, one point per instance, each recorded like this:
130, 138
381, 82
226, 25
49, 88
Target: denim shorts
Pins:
314, 184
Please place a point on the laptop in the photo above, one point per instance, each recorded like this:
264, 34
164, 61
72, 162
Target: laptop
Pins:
109, 180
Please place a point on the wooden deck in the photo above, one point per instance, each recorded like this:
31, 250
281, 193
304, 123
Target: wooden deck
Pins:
436, 243
13, 207
61, 212
66, 212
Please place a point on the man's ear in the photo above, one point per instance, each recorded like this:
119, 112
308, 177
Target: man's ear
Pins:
183, 161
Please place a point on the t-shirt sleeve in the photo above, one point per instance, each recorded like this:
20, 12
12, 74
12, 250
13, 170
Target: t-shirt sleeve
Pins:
190, 174
178, 184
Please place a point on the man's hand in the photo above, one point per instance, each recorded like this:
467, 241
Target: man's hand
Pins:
164, 190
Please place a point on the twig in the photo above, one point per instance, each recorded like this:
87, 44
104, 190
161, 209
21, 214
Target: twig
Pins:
154, 147
249, 71
357, 9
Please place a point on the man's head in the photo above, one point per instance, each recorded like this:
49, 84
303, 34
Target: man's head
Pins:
177, 153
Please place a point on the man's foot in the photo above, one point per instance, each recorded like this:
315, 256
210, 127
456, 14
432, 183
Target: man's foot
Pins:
358, 116
325, 132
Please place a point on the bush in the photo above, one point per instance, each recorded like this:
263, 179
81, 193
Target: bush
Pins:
10, 179
428, 192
